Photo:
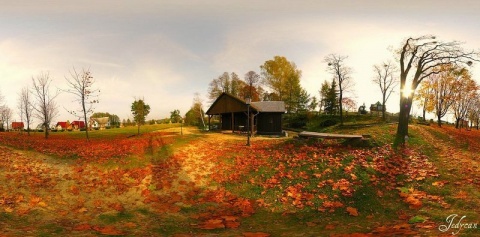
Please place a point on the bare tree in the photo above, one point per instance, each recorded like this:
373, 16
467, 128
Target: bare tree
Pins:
251, 78
386, 79
45, 107
26, 107
341, 73
81, 86
424, 56
5, 115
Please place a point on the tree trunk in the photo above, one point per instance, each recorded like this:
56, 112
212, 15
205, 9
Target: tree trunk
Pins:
85, 119
457, 123
402, 129
46, 130
383, 108
341, 107
439, 120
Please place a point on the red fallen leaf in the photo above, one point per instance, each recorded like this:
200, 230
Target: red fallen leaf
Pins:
82, 227
108, 230
461, 195
330, 227
401, 226
74, 190
130, 225
117, 206
213, 224
311, 224
352, 211
256, 234
232, 224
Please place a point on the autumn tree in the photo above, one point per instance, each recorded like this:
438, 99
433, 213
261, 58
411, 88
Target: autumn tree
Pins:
45, 106
425, 97
474, 112
464, 96
140, 110
341, 73
349, 104
80, 85
386, 78
25, 105
283, 78
438, 91
419, 58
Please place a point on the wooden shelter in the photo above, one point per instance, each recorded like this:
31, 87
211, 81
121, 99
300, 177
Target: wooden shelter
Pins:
265, 116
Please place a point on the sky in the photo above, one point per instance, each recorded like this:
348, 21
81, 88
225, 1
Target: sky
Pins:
166, 51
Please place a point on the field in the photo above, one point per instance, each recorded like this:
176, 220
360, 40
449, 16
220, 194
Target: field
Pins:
162, 183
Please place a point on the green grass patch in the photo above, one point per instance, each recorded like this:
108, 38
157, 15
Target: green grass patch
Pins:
115, 218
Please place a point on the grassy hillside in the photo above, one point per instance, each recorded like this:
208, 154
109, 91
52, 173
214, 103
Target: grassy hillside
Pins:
166, 184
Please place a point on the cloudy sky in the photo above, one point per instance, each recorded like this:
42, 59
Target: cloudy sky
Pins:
165, 51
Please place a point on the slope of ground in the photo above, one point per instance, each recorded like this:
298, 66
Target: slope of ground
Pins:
211, 184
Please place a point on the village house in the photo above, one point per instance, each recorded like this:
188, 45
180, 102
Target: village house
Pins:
17, 126
78, 125
265, 116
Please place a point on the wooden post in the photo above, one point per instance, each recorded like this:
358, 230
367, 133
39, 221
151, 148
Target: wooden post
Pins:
209, 127
233, 123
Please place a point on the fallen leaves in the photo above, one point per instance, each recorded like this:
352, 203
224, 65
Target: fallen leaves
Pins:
352, 211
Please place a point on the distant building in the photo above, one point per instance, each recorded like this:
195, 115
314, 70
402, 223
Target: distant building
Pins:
17, 126
78, 125
61, 126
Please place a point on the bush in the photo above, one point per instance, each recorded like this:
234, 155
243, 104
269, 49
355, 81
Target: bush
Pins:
322, 121
298, 120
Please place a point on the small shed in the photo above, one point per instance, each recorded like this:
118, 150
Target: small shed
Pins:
265, 116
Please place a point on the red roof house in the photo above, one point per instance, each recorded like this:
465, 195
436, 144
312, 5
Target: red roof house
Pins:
17, 125
78, 124
63, 125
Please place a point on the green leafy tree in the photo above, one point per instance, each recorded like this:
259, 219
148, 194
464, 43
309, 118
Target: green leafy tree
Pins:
331, 100
175, 116
140, 110
323, 95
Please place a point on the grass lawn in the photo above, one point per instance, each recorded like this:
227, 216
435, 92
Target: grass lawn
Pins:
162, 183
